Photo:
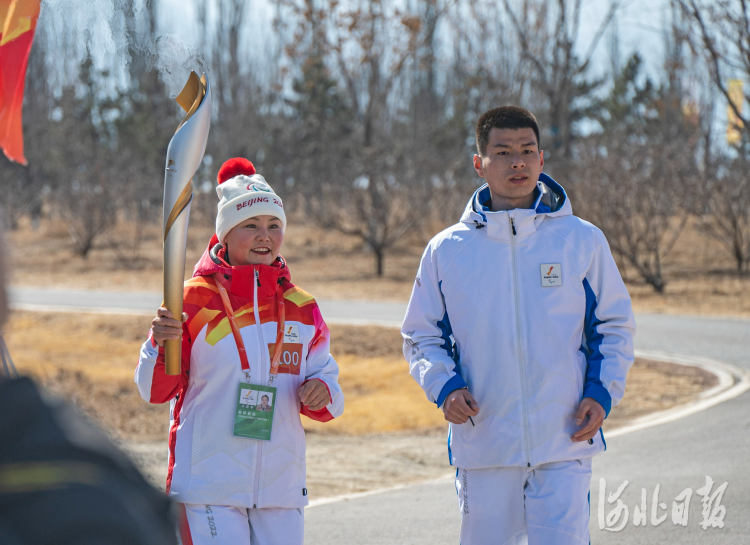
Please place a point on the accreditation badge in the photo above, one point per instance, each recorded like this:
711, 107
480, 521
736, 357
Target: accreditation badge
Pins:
253, 416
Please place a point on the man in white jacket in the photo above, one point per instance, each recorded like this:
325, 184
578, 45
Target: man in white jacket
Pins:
521, 330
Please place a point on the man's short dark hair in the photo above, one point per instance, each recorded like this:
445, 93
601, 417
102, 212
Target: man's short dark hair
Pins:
505, 117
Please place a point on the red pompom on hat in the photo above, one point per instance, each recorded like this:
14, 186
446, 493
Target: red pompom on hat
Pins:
234, 167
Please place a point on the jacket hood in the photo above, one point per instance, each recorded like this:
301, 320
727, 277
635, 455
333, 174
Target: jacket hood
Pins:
242, 277
551, 201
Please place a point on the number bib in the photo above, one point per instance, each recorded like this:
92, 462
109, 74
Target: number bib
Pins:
253, 417
291, 355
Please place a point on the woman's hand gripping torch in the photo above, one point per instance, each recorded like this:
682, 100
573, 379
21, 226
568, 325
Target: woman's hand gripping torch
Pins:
184, 155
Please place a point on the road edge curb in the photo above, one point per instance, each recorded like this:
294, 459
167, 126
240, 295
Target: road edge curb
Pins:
733, 381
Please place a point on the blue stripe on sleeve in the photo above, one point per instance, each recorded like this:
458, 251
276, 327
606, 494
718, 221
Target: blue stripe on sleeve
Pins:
456, 382
593, 386
446, 333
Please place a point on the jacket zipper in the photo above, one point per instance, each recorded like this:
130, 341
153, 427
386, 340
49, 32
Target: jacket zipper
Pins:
261, 367
518, 342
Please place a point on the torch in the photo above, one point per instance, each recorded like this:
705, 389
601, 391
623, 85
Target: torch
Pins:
184, 155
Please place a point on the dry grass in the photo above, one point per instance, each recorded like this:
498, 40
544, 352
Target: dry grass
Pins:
90, 359
103, 348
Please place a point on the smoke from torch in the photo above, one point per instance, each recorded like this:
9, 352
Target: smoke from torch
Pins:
184, 155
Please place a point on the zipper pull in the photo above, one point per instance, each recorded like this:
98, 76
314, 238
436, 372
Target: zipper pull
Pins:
513, 226
257, 278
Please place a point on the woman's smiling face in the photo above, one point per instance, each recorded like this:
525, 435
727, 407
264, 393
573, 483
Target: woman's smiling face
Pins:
255, 241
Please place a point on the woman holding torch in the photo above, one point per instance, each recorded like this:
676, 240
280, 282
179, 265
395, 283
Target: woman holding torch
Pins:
250, 339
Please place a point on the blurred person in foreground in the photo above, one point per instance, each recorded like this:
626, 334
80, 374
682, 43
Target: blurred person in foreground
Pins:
61, 480
520, 329
246, 328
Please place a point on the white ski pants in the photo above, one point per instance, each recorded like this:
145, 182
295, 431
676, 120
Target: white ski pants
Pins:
224, 525
542, 505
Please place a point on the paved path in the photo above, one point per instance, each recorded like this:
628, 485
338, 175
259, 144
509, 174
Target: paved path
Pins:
112, 302
71, 300
675, 456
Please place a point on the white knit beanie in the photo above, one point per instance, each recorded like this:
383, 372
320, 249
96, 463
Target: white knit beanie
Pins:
242, 195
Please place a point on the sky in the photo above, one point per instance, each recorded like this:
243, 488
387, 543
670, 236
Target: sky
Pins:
640, 24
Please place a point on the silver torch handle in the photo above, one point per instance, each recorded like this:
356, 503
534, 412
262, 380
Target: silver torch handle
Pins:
184, 155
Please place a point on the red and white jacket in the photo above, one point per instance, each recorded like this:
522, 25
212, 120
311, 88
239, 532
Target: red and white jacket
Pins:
207, 464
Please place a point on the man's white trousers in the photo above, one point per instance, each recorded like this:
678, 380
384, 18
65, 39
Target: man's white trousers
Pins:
542, 505
224, 525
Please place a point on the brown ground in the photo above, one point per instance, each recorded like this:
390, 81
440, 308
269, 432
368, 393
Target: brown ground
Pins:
700, 273
89, 359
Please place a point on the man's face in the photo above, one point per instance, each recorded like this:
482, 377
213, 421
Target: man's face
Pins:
511, 166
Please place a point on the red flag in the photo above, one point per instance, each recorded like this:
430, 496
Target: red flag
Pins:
17, 24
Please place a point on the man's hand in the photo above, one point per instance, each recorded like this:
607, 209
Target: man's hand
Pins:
314, 394
165, 328
595, 413
459, 406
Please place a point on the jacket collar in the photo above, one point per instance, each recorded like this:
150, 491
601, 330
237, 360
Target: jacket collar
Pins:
551, 201
240, 279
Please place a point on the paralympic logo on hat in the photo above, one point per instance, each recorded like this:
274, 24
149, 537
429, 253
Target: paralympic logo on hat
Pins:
253, 187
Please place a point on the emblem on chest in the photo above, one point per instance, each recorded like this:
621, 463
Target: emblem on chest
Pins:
551, 275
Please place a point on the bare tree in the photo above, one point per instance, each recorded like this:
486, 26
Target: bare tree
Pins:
85, 197
483, 69
367, 180
145, 118
549, 34
726, 216
633, 197
87, 208
722, 37
637, 176
489, 66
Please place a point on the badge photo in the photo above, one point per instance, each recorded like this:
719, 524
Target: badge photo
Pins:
551, 275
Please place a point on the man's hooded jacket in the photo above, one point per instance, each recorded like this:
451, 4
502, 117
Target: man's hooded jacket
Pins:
527, 309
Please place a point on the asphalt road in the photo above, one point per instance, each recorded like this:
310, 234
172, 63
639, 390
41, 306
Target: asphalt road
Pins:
674, 456
70, 300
